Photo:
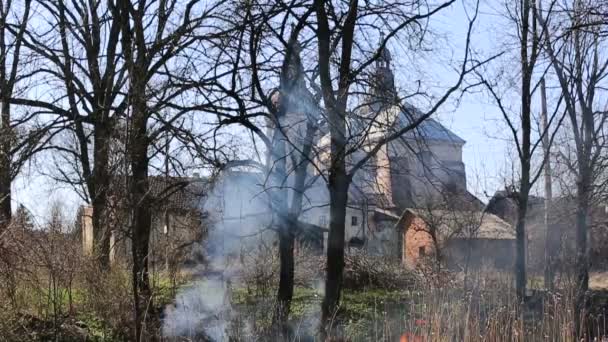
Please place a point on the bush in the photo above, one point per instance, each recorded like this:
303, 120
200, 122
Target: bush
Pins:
366, 271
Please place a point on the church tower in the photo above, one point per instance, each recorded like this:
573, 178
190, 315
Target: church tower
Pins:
290, 96
293, 103
382, 92
382, 104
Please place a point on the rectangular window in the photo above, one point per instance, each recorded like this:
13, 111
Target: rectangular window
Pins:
421, 251
354, 221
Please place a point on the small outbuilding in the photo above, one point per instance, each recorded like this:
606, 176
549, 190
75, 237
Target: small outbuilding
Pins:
463, 238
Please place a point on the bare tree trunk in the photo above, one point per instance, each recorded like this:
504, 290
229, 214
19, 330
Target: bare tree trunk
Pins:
5, 163
552, 236
9, 75
101, 181
295, 99
137, 154
338, 190
287, 236
528, 60
141, 219
279, 205
524, 185
339, 180
140, 206
5, 120
582, 262
339, 183
286, 275
580, 67
520, 249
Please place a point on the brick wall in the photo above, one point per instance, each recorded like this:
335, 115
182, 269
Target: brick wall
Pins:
417, 241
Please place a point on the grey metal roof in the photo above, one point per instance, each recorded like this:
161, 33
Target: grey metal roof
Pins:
429, 129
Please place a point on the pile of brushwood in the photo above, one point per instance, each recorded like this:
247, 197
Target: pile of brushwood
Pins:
362, 271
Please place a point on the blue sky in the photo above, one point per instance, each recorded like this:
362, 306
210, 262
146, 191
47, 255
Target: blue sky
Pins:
475, 118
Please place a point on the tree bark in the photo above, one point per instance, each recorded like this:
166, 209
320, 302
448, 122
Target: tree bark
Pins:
339, 180
338, 197
287, 236
279, 206
520, 255
584, 187
286, 275
527, 61
137, 154
99, 199
141, 217
5, 164
582, 260
9, 72
580, 69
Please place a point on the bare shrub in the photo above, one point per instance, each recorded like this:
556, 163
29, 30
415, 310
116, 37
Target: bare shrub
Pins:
362, 271
260, 268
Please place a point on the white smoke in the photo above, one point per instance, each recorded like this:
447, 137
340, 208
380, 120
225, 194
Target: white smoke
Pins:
202, 309
238, 215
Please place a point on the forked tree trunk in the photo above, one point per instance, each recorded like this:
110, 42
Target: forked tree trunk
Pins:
293, 101
137, 154
287, 236
339, 179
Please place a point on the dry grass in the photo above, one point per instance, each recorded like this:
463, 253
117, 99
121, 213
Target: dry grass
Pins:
598, 281
49, 291
435, 308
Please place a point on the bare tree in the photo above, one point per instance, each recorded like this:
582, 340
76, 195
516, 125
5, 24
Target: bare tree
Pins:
81, 56
257, 103
13, 23
293, 97
290, 110
452, 218
576, 47
159, 40
335, 35
520, 125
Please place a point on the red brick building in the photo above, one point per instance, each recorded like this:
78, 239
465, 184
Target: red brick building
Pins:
473, 237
